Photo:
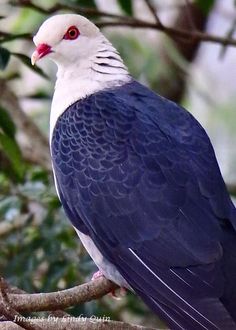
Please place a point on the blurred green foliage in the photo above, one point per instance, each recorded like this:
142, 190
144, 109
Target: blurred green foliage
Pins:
126, 6
206, 5
85, 3
4, 57
9, 147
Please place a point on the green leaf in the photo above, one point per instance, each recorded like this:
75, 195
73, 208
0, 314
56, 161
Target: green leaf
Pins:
6, 123
38, 95
26, 60
126, 6
12, 151
83, 3
205, 5
86, 3
4, 57
38, 174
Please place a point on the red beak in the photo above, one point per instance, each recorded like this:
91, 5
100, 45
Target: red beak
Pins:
41, 51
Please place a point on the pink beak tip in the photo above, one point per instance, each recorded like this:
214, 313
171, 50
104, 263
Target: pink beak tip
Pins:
41, 51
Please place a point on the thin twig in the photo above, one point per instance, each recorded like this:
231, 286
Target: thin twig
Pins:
153, 11
229, 34
5, 36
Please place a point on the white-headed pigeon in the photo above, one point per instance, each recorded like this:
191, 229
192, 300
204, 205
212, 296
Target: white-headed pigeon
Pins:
138, 178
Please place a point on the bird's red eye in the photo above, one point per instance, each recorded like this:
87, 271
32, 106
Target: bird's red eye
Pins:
72, 33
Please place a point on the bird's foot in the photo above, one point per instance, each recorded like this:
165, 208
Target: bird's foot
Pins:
98, 274
119, 293
116, 293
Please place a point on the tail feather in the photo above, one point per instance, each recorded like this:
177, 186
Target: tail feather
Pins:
229, 270
216, 316
195, 313
172, 317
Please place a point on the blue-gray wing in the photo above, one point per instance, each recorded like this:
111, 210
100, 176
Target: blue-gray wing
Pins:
138, 174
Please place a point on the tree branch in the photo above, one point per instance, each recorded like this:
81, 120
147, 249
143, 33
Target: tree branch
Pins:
188, 8
61, 299
73, 323
59, 6
8, 311
18, 301
173, 32
129, 21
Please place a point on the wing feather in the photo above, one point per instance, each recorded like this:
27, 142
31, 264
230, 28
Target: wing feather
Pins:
138, 175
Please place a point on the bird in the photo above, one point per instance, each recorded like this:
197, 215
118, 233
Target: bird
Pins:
138, 178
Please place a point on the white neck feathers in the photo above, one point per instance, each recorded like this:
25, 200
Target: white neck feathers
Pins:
103, 69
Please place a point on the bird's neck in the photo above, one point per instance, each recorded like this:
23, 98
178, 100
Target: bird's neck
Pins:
103, 69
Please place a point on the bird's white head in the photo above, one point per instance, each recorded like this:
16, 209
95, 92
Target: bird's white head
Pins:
87, 62
75, 43
65, 39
